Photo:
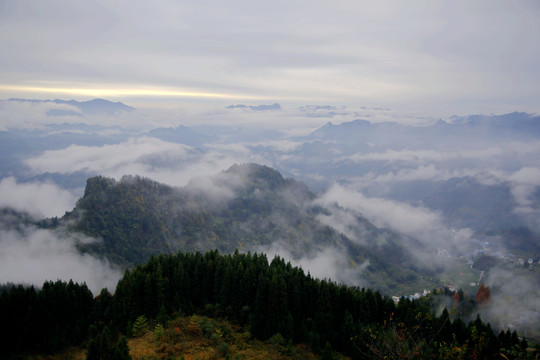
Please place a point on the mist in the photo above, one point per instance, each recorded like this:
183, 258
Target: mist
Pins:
39, 199
33, 256
418, 222
329, 263
516, 300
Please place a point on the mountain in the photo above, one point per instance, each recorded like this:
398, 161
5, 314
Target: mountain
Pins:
274, 106
248, 208
458, 130
518, 122
95, 106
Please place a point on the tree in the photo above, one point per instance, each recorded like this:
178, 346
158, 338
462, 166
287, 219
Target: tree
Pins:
140, 326
121, 351
483, 296
103, 346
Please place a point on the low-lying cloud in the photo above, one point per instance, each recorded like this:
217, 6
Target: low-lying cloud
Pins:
32, 256
166, 162
516, 300
328, 263
36, 198
417, 221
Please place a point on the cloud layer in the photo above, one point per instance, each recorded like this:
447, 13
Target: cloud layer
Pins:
170, 163
443, 56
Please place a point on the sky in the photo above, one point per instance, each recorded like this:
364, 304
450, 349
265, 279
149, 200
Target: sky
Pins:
433, 58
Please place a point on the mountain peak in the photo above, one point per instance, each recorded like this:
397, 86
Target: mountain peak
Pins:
258, 174
97, 106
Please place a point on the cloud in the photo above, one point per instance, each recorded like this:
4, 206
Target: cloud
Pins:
515, 299
328, 263
32, 115
385, 213
106, 158
419, 222
524, 185
169, 163
423, 172
415, 54
36, 198
32, 256
426, 155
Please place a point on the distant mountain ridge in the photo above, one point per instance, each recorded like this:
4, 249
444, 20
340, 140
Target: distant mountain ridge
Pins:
95, 106
475, 127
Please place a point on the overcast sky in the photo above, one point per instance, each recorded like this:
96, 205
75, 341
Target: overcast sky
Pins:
430, 57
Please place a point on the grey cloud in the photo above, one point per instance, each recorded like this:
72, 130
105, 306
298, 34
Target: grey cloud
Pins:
384, 52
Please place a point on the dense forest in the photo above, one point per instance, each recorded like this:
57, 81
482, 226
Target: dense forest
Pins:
270, 298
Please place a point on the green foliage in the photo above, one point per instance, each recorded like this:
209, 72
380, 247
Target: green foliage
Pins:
276, 300
285, 305
121, 352
48, 319
106, 345
281, 345
159, 332
140, 326
277, 340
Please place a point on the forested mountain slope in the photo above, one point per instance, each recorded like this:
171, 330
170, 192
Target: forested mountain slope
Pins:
247, 208
271, 299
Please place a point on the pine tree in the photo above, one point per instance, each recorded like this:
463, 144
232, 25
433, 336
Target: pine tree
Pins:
121, 350
140, 326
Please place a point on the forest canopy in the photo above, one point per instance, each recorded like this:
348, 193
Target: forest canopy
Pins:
267, 297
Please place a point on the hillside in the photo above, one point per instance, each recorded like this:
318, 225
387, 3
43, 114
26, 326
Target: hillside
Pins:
243, 207
200, 337
172, 300
246, 208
